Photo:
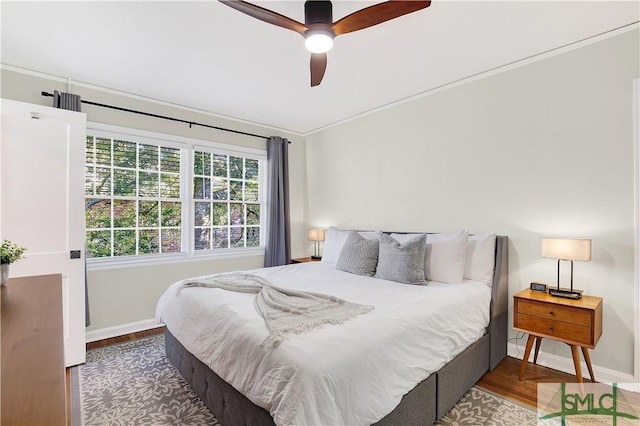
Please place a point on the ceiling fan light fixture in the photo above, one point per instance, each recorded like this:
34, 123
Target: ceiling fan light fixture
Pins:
319, 29
318, 41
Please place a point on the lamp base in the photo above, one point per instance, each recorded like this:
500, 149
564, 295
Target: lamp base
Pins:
566, 293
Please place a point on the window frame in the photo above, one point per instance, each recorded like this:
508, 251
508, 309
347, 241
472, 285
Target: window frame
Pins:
262, 170
187, 148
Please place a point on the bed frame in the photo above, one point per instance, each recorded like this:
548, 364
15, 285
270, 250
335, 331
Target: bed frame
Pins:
427, 402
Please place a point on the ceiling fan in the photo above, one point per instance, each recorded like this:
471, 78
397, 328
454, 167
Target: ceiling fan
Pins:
319, 30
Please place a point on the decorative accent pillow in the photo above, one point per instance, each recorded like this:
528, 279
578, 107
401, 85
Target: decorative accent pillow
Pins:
444, 255
401, 262
333, 242
370, 235
359, 255
403, 238
481, 258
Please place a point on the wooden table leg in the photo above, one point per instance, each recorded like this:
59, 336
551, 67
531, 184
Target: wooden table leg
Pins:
576, 362
587, 359
525, 359
535, 354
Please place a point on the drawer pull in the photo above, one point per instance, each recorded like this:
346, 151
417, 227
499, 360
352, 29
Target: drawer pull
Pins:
550, 328
551, 313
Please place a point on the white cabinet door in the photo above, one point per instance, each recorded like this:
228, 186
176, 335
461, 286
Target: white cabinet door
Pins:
42, 203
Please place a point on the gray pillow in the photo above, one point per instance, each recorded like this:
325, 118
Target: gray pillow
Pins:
404, 262
359, 255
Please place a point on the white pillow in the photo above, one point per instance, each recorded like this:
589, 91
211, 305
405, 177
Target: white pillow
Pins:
444, 256
480, 260
333, 242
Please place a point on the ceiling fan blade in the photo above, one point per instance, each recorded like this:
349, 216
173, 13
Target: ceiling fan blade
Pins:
266, 15
318, 67
377, 14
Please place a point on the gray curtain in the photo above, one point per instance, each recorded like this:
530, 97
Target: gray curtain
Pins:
73, 103
278, 232
67, 101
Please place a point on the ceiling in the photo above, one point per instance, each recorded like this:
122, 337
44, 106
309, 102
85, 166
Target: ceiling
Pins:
205, 55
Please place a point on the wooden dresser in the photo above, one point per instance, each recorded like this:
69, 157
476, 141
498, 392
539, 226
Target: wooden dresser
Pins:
33, 372
577, 323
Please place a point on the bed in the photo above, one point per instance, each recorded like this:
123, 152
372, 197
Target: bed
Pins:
406, 380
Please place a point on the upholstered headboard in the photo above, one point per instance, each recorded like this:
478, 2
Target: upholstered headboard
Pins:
498, 324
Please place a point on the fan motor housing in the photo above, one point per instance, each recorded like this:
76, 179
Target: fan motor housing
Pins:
318, 12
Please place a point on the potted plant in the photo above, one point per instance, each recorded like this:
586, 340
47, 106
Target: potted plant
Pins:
9, 252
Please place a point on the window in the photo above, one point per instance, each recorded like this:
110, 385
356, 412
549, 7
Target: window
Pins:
139, 203
226, 193
133, 203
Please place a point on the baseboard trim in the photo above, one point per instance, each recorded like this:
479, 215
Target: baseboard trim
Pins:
557, 362
120, 330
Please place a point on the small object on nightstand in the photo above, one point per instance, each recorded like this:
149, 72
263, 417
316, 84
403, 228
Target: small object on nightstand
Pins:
535, 286
305, 259
567, 293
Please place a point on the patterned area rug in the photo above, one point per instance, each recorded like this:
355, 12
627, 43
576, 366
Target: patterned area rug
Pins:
134, 383
479, 407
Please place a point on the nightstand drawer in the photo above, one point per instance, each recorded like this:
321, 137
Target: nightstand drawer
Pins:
556, 312
556, 329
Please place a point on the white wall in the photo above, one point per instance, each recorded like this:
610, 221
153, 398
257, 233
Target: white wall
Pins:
545, 149
129, 295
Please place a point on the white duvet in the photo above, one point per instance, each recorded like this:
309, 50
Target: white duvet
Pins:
349, 374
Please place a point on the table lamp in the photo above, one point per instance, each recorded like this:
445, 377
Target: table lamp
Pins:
316, 235
567, 250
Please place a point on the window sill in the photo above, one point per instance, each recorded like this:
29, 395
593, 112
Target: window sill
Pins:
100, 264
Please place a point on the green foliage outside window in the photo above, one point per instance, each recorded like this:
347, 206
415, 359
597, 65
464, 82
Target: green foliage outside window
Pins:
226, 205
134, 201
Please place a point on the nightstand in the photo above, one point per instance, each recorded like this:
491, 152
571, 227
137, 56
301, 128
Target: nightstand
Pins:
304, 260
578, 323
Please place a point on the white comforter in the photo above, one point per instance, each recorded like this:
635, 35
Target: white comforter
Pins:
348, 374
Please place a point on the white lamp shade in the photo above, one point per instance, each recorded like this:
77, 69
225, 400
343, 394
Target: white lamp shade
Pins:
315, 234
566, 249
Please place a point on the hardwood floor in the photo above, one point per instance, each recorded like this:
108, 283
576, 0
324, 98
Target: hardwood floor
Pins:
125, 338
504, 381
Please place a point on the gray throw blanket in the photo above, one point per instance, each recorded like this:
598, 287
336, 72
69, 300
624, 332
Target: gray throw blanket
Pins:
285, 312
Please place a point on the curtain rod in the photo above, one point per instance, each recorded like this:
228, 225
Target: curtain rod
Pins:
164, 117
